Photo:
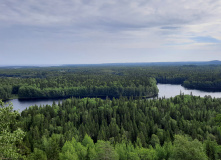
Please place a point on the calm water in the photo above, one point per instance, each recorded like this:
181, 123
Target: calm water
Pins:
169, 90
23, 104
166, 90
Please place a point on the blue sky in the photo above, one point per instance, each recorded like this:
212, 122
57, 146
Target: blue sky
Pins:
116, 31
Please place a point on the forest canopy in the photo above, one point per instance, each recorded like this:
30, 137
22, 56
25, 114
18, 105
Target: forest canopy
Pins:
125, 128
125, 125
112, 81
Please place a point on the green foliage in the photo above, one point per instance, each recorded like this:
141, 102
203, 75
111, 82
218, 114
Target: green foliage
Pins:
113, 81
76, 83
122, 151
68, 152
92, 128
135, 128
154, 140
52, 147
188, 149
10, 136
211, 149
37, 155
122, 128
105, 151
146, 153
88, 142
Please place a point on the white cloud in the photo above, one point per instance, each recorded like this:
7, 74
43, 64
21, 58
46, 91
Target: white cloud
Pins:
166, 26
116, 13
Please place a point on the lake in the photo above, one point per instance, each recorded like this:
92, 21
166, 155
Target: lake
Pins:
23, 104
170, 90
165, 90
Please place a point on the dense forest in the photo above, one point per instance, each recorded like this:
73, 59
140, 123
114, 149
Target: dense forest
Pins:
107, 115
112, 81
78, 85
183, 127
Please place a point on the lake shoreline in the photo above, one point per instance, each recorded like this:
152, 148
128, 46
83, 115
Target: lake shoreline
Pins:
209, 89
165, 91
171, 90
45, 98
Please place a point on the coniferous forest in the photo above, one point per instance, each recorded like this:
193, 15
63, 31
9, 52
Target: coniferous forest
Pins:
107, 114
103, 80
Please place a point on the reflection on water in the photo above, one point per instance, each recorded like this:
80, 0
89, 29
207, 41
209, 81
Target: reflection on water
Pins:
165, 90
23, 104
169, 90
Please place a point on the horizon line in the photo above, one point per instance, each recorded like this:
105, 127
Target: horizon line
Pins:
47, 65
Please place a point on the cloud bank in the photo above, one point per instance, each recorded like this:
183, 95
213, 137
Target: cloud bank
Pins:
95, 31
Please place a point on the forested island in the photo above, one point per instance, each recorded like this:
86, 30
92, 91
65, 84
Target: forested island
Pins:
107, 114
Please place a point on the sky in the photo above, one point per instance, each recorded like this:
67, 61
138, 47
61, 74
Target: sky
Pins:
115, 31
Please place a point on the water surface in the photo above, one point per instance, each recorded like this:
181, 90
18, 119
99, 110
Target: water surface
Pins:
169, 90
23, 104
165, 90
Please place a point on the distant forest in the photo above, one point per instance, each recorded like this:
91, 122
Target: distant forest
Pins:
112, 81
